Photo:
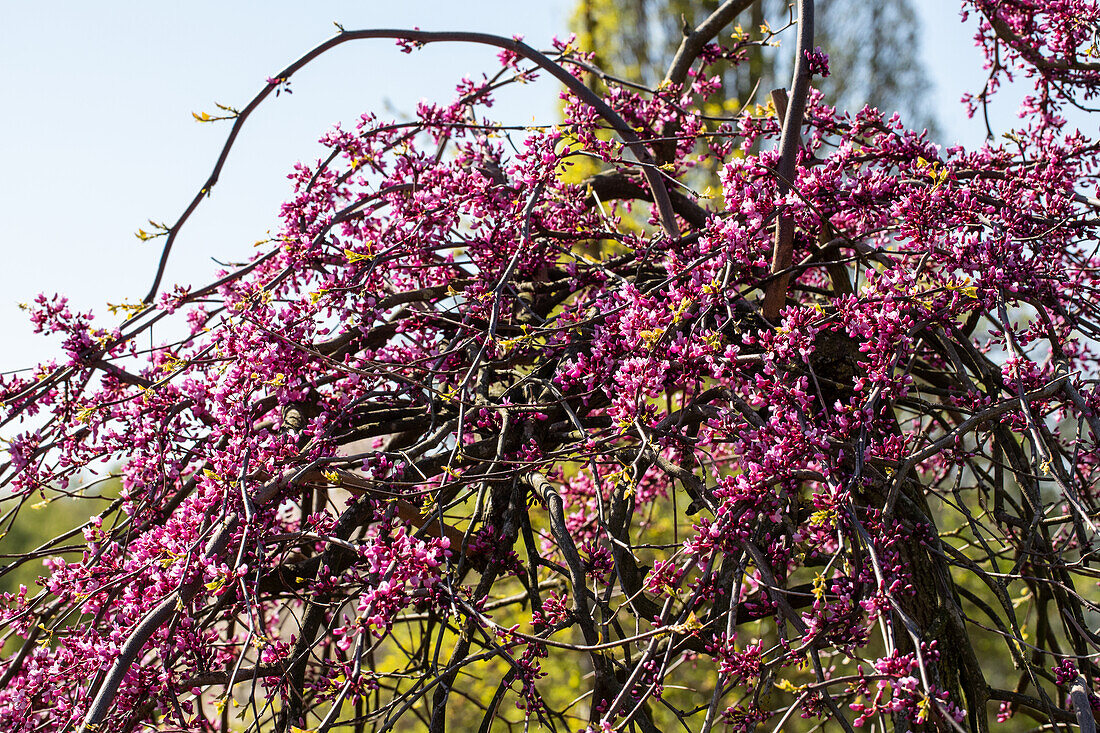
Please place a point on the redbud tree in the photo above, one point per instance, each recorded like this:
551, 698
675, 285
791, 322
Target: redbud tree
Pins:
645, 420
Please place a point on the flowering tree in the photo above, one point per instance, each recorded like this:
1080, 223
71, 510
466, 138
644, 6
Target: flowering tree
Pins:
478, 440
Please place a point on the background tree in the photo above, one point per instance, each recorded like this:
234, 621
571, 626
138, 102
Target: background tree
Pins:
874, 51
785, 456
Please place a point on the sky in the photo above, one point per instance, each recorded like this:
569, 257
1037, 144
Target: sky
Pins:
98, 136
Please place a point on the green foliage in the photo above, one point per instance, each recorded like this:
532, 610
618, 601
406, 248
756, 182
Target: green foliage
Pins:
39, 519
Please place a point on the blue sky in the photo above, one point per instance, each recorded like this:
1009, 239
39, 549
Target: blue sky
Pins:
97, 134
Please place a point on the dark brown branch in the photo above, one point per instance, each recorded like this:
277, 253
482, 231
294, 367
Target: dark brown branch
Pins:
1079, 694
694, 41
1033, 55
1032, 703
121, 374
556, 509
616, 184
223, 678
782, 252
